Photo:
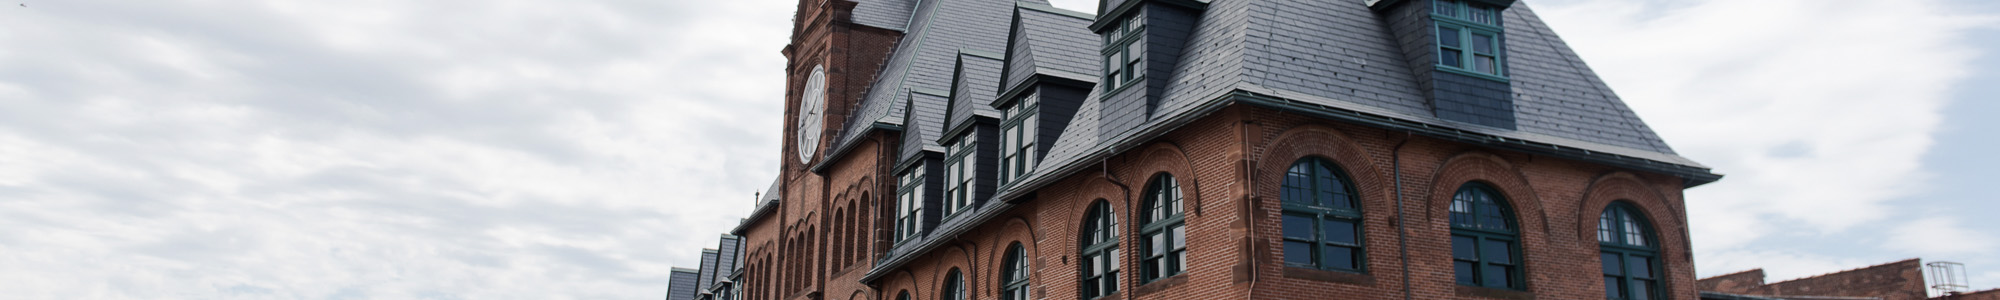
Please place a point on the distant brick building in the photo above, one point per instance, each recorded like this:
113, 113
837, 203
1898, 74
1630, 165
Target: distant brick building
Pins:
1225, 149
1901, 280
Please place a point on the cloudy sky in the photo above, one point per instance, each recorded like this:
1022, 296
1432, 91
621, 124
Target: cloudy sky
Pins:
454, 149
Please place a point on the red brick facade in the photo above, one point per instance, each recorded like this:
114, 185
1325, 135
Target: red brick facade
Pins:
1901, 280
832, 226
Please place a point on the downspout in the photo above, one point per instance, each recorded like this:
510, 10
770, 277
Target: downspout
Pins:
1402, 221
1250, 194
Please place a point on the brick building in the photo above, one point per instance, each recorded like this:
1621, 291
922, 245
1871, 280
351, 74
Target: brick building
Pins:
1901, 280
1224, 149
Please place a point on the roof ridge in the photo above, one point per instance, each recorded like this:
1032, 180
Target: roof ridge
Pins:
1759, 269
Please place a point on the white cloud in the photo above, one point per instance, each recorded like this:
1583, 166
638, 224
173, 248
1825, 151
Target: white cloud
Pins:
378, 149
1819, 111
1939, 237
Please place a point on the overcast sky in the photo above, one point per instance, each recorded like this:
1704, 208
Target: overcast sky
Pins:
452, 149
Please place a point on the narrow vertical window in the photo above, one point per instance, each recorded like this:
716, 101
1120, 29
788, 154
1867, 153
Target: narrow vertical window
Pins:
1014, 274
909, 202
958, 175
1017, 139
905, 295
954, 286
1628, 253
1485, 247
1124, 49
1100, 251
1322, 225
1163, 235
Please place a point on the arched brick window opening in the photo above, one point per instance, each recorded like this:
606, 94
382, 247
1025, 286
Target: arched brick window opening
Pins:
1163, 234
1485, 242
1100, 251
1322, 221
1014, 273
1629, 254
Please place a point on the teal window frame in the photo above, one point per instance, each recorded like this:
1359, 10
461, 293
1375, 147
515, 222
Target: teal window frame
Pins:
1124, 50
954, 286
1486, 247
909, 203
1467, 22
1014, 273
1629, 254
1017, 138
1099, 261
1163, 235
958, 173
1317, 201
905, 295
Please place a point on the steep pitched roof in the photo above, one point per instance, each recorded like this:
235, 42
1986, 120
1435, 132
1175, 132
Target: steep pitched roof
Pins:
1051, 41
978, 79
886, 14
938, 31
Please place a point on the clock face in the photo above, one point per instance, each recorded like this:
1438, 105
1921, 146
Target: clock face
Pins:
812, 108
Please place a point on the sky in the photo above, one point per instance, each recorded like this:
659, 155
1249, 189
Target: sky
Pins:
453, 149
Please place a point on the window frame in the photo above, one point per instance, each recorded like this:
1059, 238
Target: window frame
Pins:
1321, 214
959, 171
1628, 222
1017, 138
1119, 42
1482, 237
1168, 226
1101, 248
909, 204
954, 286
1014, 273
1468, 28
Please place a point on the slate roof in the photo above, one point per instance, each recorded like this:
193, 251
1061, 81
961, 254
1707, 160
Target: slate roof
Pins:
1052, 41
979, 82
938, 31
886, 14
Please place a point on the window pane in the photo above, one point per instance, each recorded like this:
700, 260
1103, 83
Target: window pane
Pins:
1641, 267
1298, 253
1451, 58
1610, 262
1465, 272
1612, 288
1604, 228
1492, 251
1642, 291
1496, 277
1340, 258
1111, 264
1299, 227
1446, 7
1339, 231
1448, 37
1465, 248
1482, 44
1179, 237
1484, 64
1156, 244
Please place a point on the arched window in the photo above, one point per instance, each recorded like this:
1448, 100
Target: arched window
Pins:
1014, 274
1100, 251
905, 295
954, 286
1322, 222
1163, 242
1628, 253
1485, 246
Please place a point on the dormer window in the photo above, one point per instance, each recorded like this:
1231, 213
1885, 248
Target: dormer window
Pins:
1124, 46
958, 176
909, 203
1017, 139
1468, 36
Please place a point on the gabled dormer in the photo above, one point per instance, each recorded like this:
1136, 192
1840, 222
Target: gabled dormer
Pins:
917, 167
1049, 73
971, 135
1140, 42
1458, 50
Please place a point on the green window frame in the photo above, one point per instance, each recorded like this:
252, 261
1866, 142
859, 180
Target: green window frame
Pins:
1469, 38
1100, 251
958, 173
909, 203
1629, 254
1014, 274
1017, 138
1321, 220
905, 295
954, 286
1485, 242
1124, 48
1163, 235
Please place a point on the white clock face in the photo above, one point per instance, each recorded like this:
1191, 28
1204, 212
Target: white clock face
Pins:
812, 109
